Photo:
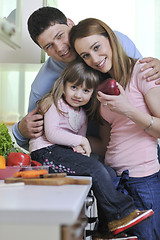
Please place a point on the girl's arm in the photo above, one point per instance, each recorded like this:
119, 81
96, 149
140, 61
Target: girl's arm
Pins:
97, 144
61, 135
57, 134
85, 147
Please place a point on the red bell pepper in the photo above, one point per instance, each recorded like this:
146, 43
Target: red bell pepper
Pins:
35, 163
18, 159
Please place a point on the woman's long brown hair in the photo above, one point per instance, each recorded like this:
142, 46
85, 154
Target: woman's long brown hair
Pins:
122, 64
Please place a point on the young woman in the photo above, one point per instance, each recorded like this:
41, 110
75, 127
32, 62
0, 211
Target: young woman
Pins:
134, 117
65, 108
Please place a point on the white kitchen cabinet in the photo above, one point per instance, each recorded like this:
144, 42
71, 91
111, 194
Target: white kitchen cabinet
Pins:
43, 212
10, 22
20, 48
28, 52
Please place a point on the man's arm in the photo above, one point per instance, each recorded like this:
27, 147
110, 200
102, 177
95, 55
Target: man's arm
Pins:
153, 63
30, 126
32, 123
131, 50
128, 46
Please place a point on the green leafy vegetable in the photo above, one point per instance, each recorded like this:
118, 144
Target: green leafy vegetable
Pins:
5, 140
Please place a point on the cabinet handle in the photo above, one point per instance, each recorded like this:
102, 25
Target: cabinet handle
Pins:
89, 201
7, 28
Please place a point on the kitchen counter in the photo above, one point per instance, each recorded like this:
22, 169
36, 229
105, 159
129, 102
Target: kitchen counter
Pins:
39, 211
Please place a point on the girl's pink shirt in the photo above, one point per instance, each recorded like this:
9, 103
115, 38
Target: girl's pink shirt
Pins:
130, 146
64, 130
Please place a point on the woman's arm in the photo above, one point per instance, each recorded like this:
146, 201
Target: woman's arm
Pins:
152, 99
121, 105
145, 120
99, 144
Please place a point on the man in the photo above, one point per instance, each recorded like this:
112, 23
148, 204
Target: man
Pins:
49, 28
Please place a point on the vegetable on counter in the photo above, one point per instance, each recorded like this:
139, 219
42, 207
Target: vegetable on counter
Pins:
18, 159
2, 162
30, 173
5, 140
35, 163
10, 155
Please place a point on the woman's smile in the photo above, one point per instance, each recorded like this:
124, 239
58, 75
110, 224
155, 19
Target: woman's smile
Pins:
101, 63
96, 51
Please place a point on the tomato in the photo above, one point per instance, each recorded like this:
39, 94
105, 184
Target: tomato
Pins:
18, 159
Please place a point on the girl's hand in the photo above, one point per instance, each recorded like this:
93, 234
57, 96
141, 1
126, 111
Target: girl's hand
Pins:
86, 146
119, 104
153, 74
79, 149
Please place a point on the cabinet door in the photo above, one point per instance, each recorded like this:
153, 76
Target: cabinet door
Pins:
75, 231
29, 52
10, 22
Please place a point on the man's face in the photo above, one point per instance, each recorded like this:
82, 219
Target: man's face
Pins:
55, 42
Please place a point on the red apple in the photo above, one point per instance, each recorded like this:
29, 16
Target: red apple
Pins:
109, 86
18, 159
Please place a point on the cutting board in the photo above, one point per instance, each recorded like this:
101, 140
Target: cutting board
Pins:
55, 181
49, 175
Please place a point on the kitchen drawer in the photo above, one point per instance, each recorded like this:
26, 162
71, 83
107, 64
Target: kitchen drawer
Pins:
75, 231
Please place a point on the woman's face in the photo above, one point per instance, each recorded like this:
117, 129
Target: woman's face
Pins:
96, 51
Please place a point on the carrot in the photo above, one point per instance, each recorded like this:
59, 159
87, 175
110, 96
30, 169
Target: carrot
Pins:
30, 173
17, 174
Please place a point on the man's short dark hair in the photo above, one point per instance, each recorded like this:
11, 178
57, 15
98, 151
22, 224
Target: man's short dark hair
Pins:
43, 18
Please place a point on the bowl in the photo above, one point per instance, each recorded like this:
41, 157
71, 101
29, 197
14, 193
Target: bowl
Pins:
9, 171
28, 168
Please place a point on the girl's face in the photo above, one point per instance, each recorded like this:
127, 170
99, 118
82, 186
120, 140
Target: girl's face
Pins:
77, 96
96, 51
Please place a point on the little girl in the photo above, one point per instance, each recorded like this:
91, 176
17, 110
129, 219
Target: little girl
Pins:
66, 108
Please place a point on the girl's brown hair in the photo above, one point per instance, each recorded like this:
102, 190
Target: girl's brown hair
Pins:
122, 64
76, 72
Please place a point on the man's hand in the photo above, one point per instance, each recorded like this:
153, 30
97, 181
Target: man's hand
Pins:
31, 126
153, 74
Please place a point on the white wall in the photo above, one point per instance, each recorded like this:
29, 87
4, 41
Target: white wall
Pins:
138, 19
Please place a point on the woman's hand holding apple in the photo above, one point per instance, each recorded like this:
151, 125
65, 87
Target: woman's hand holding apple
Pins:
117, 103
